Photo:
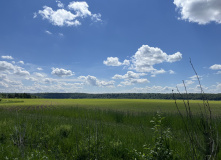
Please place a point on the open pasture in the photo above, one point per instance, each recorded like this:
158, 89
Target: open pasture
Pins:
125, 105
90, 128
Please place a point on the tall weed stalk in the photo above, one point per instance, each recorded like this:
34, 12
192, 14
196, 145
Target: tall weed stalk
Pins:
202, 134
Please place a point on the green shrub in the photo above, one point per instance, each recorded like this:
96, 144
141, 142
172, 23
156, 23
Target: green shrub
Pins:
161, 149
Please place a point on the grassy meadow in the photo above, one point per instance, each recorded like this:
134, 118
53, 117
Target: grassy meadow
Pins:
84, 129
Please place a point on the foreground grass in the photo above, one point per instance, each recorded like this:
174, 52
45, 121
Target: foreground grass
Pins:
88, 129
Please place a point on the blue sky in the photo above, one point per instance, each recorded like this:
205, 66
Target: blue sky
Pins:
114, 46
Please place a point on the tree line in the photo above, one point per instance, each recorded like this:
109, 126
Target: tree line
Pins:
196, 96
17, 95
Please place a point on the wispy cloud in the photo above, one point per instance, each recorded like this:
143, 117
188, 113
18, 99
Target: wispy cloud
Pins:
21, 62
7, 57
48, 32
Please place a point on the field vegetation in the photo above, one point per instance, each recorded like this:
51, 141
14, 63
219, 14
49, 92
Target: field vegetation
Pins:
97, 129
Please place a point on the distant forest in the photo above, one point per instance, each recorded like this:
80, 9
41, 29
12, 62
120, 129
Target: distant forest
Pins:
195, 96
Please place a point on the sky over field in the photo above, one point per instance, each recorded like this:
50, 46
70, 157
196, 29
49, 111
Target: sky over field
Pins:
109, 46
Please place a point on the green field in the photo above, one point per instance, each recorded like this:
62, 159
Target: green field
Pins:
91, 128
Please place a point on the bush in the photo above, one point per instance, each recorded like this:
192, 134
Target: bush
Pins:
161, 149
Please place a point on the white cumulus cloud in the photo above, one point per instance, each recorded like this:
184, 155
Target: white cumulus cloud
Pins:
21, 72
60, 72
114, 61
134, 81
216, 67
146, 57
65, 17
174, 57
60, 17
81, 8
5, 66
199, 11
156, 72
131, 78
39, 74
93, 81
129, 75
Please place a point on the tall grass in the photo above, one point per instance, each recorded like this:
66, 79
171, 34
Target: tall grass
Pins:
82, 133
202, 132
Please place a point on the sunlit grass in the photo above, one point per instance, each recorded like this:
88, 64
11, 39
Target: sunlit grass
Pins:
88, 128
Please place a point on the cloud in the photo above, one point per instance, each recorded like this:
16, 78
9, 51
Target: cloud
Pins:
156, 72
81, 8
5, 66
187, 83
171, 72
131, 78
39, 74
93, 81
197, 89
61, 34
129, 75
60, 4
3, 85
39, 68
63, 17
49, 80
35, 15
216, 88
10, 83
3, 77
96, 17
48, 32
5, 82
153, 89
126, 62
134, 81
194, 78
60, 72
199, 11
219, 72
18, 71
114, 61
190, 81
174, 57
7, 57
21, 62
32, 79
146, 57
215, 67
